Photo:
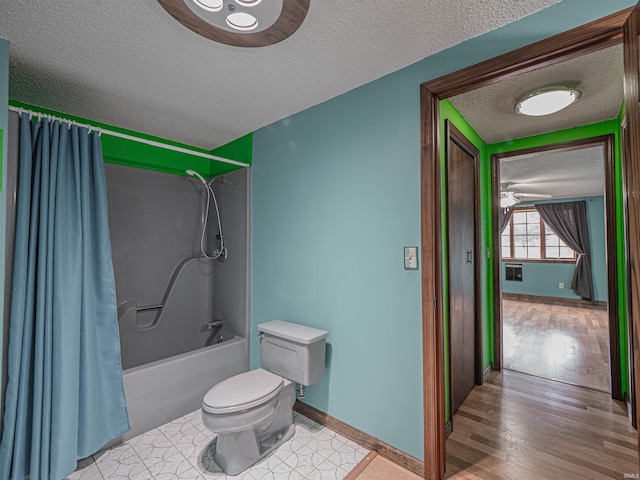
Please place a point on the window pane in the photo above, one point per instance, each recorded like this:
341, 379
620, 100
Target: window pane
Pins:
520, 240
566, 252
519, 217
533, 241
520, 229
533, 217
551, 240
505, 240
552, 252
533, 229
534, 252
506, 251
520, 251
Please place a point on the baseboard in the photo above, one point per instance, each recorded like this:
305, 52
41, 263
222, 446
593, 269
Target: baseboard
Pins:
569, 302
383, 449
448, 429
486, 372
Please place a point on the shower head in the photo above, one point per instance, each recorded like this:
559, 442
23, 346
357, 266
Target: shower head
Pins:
193, 173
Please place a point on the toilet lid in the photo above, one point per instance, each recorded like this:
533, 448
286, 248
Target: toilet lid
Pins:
242, 392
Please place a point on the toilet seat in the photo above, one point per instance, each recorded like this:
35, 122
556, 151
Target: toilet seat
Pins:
242, 392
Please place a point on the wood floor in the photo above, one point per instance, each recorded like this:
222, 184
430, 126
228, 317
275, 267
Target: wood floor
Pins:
517, 426
375, 467
561, 342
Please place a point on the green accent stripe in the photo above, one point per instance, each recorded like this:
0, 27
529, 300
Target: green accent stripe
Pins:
134, 154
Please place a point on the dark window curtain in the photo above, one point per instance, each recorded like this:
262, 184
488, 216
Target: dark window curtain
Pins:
65, 396
569, 221
505, 216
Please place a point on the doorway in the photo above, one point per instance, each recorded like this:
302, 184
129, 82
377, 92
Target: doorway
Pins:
546, 329
591, 37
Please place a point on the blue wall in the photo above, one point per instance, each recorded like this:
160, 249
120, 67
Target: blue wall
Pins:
4, 119
335, 197
540, 278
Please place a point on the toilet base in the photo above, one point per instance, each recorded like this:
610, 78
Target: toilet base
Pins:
237, 451
247, 449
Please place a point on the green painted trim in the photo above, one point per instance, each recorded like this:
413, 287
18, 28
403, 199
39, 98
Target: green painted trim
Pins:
576, 133
140, 155
449, 112
240, 149
622, 254
607, 127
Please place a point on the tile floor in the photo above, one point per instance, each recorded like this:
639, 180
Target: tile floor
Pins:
183, 449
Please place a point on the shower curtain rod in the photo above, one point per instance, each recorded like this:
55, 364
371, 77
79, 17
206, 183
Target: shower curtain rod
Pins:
152, 143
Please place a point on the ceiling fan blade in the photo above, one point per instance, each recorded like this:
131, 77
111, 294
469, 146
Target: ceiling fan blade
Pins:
533, 195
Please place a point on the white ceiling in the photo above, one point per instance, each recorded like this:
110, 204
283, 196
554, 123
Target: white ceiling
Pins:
130, 64
569, 174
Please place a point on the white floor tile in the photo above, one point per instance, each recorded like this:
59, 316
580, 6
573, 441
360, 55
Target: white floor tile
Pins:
184, 450
89, 472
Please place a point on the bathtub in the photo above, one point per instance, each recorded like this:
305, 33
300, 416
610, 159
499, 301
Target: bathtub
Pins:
164, 390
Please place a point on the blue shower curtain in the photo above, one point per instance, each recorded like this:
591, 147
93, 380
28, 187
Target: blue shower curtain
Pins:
65, 395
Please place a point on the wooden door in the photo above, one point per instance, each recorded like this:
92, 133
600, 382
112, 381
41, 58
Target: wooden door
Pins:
462, 157
631, 166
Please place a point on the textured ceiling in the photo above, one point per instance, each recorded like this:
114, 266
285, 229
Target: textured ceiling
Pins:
129, 64
490, 110
575, 173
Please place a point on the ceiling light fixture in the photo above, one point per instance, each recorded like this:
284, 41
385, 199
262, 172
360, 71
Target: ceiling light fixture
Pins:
210, 5
242, 23
248, 3
547, 100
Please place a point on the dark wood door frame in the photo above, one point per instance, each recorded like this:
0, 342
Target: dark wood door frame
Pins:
565, 46
631, 175
607, 142
630, 332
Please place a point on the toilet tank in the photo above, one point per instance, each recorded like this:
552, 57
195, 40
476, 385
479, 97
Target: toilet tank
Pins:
293, 351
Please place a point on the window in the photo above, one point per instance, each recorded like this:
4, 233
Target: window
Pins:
526, 237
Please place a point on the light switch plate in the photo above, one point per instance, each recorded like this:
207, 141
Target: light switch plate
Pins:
411, 258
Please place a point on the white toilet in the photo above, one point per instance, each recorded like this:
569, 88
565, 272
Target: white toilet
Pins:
252, 412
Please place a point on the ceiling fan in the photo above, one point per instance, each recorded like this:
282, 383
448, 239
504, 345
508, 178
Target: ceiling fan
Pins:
510, 198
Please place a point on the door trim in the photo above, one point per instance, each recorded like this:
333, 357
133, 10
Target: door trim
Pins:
631, 174
607, 142
593, 36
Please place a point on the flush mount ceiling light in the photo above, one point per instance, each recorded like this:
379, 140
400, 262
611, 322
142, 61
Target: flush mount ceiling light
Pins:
242, 23
210, 5
547, 100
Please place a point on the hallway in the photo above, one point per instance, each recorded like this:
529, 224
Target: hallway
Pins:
529, 428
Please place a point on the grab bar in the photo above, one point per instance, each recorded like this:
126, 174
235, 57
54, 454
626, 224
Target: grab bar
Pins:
151, 307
